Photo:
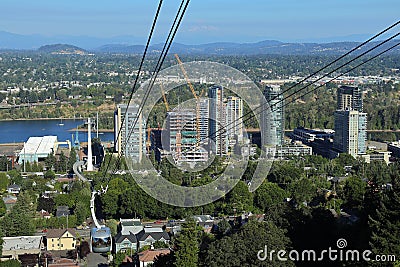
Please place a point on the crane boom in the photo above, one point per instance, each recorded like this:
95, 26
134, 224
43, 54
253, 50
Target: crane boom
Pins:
164, 97
195, 96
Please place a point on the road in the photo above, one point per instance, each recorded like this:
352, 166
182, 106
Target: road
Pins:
95, 260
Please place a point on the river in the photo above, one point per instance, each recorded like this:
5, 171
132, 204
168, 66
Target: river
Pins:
20, 130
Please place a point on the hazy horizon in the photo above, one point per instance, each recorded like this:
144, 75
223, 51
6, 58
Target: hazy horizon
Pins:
205, 21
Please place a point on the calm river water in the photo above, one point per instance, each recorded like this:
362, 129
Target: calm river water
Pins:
21, 130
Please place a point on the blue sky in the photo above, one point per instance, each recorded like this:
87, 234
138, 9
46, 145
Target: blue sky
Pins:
205, 21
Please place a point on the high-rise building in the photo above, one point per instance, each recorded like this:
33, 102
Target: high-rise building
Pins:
204, 117
217, 121
234, 121
273, 119
350, 132
182, 136
131, 142
350, 122
349, 98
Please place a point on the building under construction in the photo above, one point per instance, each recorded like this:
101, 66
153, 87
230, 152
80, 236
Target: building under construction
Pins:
182, 137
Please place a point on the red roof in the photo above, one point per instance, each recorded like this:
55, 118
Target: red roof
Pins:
151, 254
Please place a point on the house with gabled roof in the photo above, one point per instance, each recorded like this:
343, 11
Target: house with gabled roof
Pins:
149, 235
147, 257
61, 239
125, 243
62, 211
126, 237
14, 189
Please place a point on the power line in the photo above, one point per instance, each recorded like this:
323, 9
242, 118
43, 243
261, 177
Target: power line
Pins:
138, 73
251, 113
174, 28
351, 69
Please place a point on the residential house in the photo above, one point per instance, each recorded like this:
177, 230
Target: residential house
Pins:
44, 214
61, 239
9, 201
147, 257
125, 242
14, 189
205, 221
14, 247
128, 226
149, 235
126, 237
62, 211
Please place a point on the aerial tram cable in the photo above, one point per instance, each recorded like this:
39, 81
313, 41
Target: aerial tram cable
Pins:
137, 76
100, 235
174, 28
251, 113
332, 79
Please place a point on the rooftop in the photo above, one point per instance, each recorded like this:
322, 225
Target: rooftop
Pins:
39, 145
150, 255
57, 233
22, 243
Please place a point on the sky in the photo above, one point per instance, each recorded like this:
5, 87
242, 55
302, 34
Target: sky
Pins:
205, 21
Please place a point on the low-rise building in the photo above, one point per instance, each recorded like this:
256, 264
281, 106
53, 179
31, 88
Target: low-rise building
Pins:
280, 152
9, 201
61, 239
377, 156
149, 235
147, 257
62, 211
128, 226
14, 189
126, 237
395, 149
125, 243
14, 247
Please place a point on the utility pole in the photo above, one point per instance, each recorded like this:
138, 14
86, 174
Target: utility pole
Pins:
24, 157
97, 125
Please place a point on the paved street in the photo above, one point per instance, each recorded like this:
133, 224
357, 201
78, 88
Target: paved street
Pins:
96, 260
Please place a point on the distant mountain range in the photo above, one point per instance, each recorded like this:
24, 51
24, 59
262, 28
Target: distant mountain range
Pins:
40, 43
264, 47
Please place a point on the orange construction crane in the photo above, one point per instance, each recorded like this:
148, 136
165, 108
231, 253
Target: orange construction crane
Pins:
148, 142
195, 96
164, 97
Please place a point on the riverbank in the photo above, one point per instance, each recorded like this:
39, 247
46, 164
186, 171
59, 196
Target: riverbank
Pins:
41, 119
93, 131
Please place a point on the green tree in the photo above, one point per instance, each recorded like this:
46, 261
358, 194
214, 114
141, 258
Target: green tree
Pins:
71, 159
269, 195
15, 176
46, 204
240, 197
384, 221
4, 181
354, 190
240, 249
3, 163
160, 244
10, 263
61, 164
113, 225
187, 245
50, 161
81, 211
19, 221
49, 174
3, 208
